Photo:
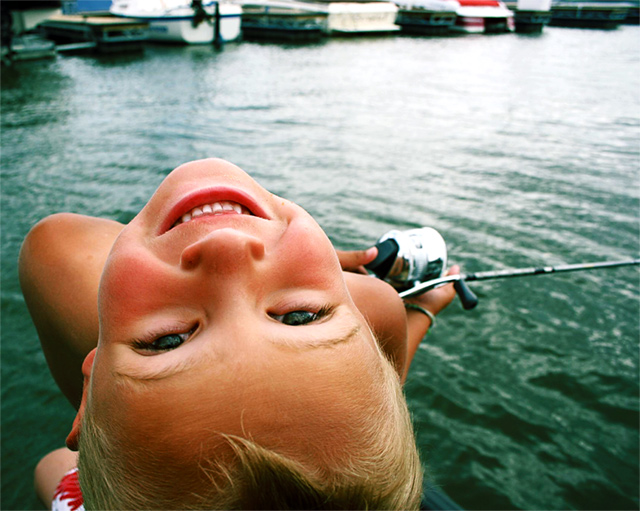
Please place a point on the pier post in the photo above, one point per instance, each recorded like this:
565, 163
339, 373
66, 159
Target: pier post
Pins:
217, 36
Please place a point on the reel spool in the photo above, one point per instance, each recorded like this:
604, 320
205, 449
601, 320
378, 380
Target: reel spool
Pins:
408, 258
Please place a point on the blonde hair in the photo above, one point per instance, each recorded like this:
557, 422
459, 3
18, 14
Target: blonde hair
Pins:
386, 474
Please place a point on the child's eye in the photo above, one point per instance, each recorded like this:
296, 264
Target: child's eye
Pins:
301, 317
163, 343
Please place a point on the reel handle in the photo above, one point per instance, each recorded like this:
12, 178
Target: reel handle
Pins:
387, 253
467, 297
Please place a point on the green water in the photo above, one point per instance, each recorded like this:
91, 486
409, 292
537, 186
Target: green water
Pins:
520, 150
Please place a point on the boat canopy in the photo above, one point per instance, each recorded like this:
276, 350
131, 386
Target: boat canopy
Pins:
291, 5
429, 5
157, 8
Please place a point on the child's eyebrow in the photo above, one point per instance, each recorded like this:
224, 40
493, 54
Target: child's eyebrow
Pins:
326, 342
184, 365
165, 372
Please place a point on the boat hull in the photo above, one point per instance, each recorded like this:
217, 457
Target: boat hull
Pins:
273, 17
484, 17
183, 31
418, 21
345, 18
178, 26
484, 25
589, 14
293, 21
530, 16
531, 21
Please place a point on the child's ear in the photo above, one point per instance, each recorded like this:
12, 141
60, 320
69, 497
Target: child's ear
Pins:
74, 436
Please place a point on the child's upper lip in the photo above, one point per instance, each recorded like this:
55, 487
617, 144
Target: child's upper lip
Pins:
210, 195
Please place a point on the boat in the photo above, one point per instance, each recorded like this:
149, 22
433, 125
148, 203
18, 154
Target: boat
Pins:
184, 21
530, 15
346, 18
288, 20
588, 14
20, 39
484, 16
294, 18
633, 15
429, 17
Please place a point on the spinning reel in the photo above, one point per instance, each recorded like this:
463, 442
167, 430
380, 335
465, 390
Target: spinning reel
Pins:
414, 261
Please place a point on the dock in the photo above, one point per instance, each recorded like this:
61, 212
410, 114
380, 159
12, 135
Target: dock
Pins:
104, 34
603, 15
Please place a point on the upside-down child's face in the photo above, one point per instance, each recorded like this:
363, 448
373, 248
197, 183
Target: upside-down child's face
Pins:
223, 309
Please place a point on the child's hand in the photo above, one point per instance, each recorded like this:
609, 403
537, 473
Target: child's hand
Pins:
354, 260
439, 298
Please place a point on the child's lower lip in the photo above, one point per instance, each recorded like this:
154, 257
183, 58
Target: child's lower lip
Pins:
210, 196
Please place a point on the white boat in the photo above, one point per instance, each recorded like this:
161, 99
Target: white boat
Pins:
427, 16
361, 17
184, 21
484, 16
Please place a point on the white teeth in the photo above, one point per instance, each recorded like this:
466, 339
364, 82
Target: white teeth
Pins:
219, 208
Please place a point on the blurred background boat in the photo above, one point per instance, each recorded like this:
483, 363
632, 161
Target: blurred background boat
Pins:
430, 17
633, 15
484, 16
311, 20
184, 21
288, 20
345, 18
18, 21
601, 14
530, 15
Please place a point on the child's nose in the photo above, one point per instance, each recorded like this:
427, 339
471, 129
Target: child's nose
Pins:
223, 251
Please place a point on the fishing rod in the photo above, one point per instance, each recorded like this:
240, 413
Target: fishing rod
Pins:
414, 261
468, 298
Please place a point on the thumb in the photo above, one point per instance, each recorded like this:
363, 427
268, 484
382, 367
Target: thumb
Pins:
355, 258
454, 270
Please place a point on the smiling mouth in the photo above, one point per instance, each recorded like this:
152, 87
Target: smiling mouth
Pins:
212, 202
213, 209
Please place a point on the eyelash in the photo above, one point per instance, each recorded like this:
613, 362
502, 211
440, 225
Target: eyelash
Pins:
322, 313
147, 344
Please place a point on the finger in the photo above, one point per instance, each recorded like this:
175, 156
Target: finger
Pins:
454, 270
355, 258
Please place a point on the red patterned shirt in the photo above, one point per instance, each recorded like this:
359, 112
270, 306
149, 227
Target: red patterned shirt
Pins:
68, 496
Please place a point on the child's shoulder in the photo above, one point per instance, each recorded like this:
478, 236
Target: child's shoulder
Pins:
56, 480
384, 311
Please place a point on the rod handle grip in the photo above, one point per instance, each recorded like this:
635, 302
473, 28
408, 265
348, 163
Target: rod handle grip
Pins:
467, 297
